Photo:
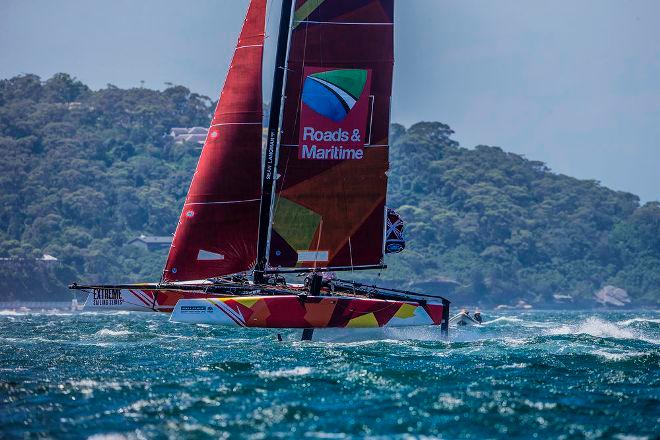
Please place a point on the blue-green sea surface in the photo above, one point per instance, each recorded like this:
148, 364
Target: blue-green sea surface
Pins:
524, 375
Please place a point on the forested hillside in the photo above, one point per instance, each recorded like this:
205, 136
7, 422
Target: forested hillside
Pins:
508, 228
85, 171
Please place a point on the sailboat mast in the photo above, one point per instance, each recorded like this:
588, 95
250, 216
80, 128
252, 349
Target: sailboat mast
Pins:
271, 144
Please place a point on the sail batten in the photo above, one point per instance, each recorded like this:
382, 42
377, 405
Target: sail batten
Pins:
218, 227
329, 207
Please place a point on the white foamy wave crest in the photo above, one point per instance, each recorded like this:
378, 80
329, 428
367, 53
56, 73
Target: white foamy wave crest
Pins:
600, 329
57, 313
632, 321
297, 371
513, 366
595, 327
503, 319
514, 342
631, 437
518, 321
12, 313
618, 356
403, 334
110, 436
448, 402
109, 332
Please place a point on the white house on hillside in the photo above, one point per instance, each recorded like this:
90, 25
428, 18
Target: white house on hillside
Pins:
193, 134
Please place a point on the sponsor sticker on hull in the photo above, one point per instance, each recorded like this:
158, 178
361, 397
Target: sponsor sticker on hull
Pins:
334, 112
196, 309
107, 297
111, 299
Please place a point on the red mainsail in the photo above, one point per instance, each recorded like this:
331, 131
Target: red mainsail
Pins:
217, 230
329, 207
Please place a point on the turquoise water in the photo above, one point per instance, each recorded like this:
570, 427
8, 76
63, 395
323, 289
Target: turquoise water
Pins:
523, 375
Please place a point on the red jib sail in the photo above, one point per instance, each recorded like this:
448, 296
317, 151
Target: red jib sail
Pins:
329, 207
217, 230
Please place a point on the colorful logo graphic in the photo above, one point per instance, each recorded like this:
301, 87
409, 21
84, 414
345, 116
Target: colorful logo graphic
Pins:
334, 113
334, 93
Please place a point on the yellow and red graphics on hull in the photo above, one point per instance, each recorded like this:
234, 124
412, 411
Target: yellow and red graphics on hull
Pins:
291, 311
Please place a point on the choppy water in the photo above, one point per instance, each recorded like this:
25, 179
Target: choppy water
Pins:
523, 375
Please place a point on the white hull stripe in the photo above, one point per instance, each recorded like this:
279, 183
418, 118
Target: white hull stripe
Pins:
233, 315
142, 297
145, 304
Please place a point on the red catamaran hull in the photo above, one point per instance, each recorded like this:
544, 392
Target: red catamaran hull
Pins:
272, 311
293, 311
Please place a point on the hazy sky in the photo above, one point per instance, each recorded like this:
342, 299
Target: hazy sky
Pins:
574, 83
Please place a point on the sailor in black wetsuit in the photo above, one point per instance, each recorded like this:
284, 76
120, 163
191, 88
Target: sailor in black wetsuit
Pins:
477, 316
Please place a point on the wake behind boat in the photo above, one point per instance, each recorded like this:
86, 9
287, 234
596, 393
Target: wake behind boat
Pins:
317, 203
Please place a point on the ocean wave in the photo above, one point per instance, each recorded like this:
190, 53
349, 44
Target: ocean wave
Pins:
149, 386
356, 342
503, 319
515, 342
631, 437
518, 365
109, 332
87, 386
56, 313
140, 405
40, 311
540, 406
618, 356
632, 321
518, 321
448, 402
111, 436
106, 313
598, 328
594, 327
11, 312
292, 372
325, 435
398, 335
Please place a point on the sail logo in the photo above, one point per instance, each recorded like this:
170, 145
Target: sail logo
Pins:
334, 93
333, 115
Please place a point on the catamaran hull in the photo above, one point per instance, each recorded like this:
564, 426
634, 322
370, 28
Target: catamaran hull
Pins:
135, 300
292, 311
